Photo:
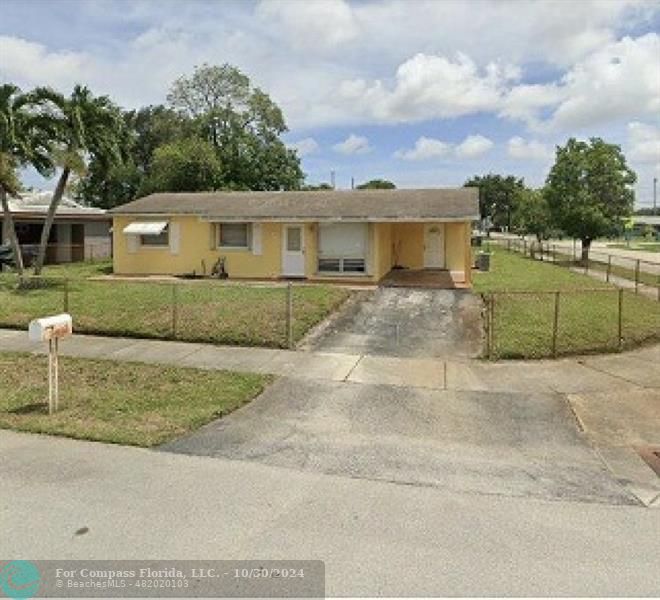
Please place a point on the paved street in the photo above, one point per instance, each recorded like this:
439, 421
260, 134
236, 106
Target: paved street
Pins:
376, 538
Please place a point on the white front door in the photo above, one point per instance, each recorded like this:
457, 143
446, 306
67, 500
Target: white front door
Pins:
293, 251
434, 246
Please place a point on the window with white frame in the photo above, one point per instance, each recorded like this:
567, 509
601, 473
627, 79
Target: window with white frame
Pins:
234, 235
343, 248
160, 239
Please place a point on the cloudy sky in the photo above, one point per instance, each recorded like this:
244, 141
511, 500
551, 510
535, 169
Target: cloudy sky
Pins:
426, 93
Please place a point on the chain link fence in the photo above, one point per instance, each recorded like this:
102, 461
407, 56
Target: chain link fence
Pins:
543, 324
642, 276
274, 316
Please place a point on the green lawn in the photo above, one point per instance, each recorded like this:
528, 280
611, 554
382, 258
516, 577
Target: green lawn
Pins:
123, 403
201, 311
588, 320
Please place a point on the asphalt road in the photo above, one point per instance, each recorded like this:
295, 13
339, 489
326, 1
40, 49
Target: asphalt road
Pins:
376, 538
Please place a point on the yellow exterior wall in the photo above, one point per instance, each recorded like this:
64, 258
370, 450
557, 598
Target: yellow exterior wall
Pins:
408, 245
389, 244
195, 245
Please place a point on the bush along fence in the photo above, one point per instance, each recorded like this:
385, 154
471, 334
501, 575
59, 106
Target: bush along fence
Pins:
631, 273
274, 316
543, 324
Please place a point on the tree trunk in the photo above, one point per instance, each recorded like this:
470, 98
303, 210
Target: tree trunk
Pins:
50, 217
8, 226
586, 244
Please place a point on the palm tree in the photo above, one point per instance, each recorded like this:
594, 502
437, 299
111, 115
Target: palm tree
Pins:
26, 134
87, 127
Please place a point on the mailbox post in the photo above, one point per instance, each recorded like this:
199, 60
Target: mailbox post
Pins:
51, 330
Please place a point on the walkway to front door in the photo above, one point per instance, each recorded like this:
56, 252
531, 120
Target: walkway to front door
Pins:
424, 323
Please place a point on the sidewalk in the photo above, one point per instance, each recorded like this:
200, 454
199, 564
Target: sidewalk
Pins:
628, 371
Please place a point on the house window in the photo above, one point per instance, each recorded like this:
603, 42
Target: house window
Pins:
234, 235
343, 248
159, 239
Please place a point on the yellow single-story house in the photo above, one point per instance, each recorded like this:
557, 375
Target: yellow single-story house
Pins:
360, 235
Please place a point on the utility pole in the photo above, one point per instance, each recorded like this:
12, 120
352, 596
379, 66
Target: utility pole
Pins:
332, 179
352, 183
655, 194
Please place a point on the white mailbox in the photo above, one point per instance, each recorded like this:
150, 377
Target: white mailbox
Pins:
50, 328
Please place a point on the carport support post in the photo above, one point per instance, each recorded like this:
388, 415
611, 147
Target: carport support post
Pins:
175, 308
289, 315
555, 326
620, 324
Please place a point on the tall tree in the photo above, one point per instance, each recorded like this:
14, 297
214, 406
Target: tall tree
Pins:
243, 124
189, 165
86, 126
496, 196
376, 184
25, 137
531, 214
110, 184
589, 190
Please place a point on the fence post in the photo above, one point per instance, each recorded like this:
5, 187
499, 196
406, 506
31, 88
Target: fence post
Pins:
620, 325
66, 295
636, 276
525, 247
555, 326
175, 309
289, 315
609, 267
491, 344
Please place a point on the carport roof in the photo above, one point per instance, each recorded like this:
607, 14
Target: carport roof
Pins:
448, 204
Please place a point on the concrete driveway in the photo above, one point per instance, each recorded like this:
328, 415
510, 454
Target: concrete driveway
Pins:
480, 442
407, 322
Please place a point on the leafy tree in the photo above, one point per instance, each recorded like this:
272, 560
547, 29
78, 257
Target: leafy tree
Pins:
85, 126
496, 196
531, 214
110, 184
25, 135
188, 165
376, 184
589, 190
242, 123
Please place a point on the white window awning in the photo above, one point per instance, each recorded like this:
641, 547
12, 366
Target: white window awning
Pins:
146, 228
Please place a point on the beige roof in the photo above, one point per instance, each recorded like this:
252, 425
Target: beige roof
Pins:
353, 205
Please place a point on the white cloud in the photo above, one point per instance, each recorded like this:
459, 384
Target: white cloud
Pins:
430, 86
522, 149
473, 146
353, 144
619, 81
316, 26
22, 57
644, 142
306, 146
424, 149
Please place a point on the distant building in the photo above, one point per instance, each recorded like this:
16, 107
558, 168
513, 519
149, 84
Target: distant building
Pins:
641, 224
78, 233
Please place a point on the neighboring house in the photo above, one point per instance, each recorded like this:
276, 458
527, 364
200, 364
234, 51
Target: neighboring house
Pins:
643, 224
325, 235
78, 233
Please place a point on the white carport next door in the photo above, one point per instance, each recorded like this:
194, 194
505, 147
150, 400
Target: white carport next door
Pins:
293, 251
